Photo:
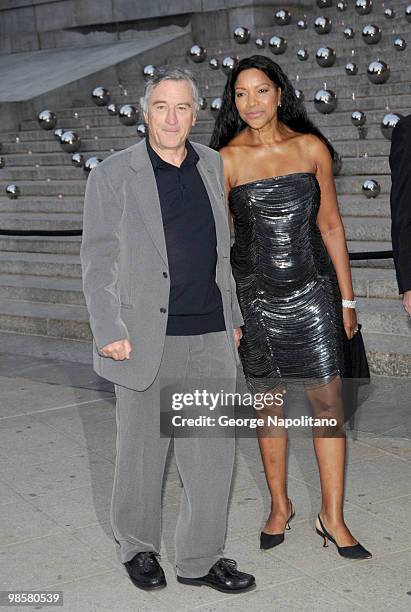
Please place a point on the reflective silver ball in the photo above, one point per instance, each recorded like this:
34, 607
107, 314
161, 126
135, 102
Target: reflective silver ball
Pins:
197, 54
371, 34
13, 191
371, 188
400, 43
214, 63
91, 163
351, 68
388, 123
241, 35
408, 13
282, 17
324, 3
100, 96
302, 54
358, 118
349, 33
202, 102
2, 162
128, 114
112, 109
325, 101
277, 44
302, 24
325, 57
228, 64
149, 71
141, 130
260, 43
77, 160
215, 105
342, 6
70, 142
58, 133
389, 13
322, 25
378, 72
299, 95
363, 7
47, 120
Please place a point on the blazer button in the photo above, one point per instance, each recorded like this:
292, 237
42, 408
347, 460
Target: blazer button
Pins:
165, 274
163, 310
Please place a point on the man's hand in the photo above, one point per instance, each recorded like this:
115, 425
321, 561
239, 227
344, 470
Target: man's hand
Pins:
118, 350
238, 334
406, 301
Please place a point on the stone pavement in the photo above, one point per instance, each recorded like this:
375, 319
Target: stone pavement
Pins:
57, 445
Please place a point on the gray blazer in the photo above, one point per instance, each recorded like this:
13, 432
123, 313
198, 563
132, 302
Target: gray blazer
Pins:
124, 261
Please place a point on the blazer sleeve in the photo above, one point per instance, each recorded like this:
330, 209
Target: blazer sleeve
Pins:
99, 255
400, 202
238, 320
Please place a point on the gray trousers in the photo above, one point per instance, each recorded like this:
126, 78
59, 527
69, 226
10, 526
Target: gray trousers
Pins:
205, 461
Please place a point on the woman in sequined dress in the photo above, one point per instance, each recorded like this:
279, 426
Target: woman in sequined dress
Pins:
291, 266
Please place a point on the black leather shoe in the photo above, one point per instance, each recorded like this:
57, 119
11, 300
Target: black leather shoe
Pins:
223, 576
356, 551
269, 540
145, 571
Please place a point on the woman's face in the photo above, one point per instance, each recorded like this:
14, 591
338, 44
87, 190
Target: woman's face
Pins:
256, 97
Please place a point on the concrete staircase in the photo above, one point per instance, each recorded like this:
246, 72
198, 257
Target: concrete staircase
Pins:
40, 276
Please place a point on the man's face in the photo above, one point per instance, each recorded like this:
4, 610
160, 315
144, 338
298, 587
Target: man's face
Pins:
171, 114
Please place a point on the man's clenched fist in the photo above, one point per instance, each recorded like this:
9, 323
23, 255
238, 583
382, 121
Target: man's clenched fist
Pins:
118, 350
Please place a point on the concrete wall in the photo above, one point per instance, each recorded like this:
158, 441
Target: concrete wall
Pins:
31, 25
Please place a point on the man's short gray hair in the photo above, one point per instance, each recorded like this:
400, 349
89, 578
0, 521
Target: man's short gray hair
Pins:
170, 74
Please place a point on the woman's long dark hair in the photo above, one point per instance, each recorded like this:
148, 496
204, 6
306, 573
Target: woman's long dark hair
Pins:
291, 113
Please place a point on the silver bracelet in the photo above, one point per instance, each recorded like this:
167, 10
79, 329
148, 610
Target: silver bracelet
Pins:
349, 303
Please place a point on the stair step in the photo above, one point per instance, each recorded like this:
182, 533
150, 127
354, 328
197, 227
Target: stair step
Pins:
35, 288
383, 316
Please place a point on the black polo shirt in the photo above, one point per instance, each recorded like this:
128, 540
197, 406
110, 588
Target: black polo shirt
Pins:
195, 304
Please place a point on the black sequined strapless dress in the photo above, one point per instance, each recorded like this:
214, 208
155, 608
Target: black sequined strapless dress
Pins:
286, 284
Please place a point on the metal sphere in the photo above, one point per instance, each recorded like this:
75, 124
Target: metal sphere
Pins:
324, 3
77, 160
351, 68
197, 54
141, 130
371, 188
322, 25
149, 71
91, 163
215, 105
363, 7
2, 162
349, 33
302, 24
302, 54
228, 64
214, 63
378, 72
100, 96
388, 123
408, 13
128, 114
400, 43
58, 133
325, 57
260, 43
282, 17
277, 44
47, 120
342, 6
325, 101
202, 102
112, 109
371, 34
13, 191
358, 118
70, 142
299, 95
241, 35
389, 13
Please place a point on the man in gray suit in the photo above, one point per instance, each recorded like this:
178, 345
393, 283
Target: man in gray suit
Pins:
163, 312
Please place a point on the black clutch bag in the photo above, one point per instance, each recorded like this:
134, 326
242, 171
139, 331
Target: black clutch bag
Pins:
356, 374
